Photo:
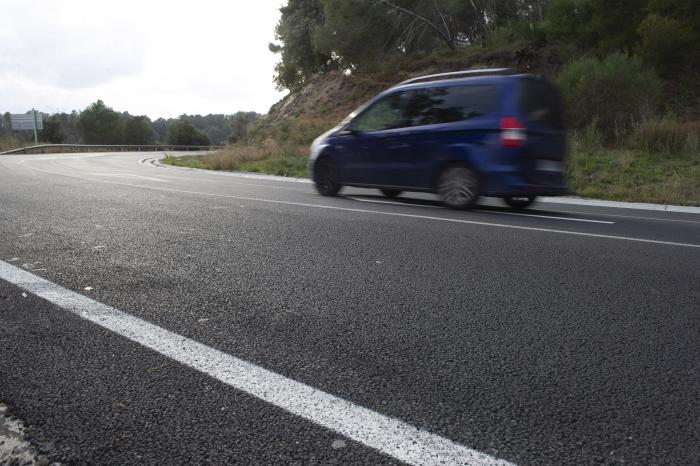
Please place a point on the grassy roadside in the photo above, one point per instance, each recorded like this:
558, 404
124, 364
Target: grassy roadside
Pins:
633, 175
293, 166
11, 142
280, 149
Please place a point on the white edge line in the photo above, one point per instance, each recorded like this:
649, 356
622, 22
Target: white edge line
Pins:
379, 212
398, 214
635, 217
155, 162
376, 201
554, 217
129, 175
385, 434
483, 211
567, 200
554, 199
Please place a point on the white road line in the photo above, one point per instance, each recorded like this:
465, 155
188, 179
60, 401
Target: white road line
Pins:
255, 176
426, 217
481, 211
659, 219
570, 219
388, 435
237, 175
374, 201
555, 199
392, 214
129, 175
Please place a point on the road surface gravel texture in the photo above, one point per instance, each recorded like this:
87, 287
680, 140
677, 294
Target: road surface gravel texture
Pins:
564, 334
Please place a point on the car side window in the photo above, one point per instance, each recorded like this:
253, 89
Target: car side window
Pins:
450, 104
386, 113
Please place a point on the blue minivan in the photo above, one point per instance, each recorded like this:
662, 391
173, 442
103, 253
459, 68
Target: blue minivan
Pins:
461, 135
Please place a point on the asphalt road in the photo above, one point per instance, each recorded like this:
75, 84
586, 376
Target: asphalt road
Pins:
560, 335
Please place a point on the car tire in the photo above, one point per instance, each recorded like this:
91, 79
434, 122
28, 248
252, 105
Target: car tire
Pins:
519, 202
391, 193
458, 187
326, 177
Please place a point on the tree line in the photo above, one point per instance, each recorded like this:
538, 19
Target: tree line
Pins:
100, 124
316, 36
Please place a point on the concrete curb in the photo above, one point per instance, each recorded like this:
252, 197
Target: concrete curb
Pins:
570, 200
573, 200
255, 176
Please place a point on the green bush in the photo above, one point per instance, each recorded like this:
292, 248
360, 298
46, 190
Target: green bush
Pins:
665, 44
100, 124
182, 133
617, 90
521, 33
569, 21
667, 135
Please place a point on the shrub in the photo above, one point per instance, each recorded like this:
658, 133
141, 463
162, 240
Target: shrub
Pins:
617, 90
182, 133
667, 135
53, 131
568, 21
100, 124
665, 44
518, 34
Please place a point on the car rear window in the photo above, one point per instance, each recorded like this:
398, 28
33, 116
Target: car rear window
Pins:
541, 103
449, 104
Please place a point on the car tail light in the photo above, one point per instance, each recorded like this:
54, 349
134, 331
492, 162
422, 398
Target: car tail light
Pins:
512, 133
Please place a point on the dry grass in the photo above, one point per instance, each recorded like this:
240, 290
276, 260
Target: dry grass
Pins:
280, 149
667, 135
11, 142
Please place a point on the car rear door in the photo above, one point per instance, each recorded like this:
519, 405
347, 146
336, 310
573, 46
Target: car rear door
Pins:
545, 149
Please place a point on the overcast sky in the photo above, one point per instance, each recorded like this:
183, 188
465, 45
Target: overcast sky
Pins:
152, 57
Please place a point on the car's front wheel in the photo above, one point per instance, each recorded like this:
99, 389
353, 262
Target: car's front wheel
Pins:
391, 192
326, 177
458, 186
519, 202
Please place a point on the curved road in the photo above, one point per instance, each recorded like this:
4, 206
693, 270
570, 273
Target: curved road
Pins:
153, 315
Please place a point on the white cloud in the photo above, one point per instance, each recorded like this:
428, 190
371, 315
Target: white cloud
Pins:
160, 58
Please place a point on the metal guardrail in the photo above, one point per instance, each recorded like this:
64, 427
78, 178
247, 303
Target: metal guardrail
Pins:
70, 148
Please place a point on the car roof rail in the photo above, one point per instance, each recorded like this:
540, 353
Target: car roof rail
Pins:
459, 74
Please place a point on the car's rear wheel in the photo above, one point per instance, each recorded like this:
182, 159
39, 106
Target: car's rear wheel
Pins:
458, 186
326, 177
391, 192
519, 202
